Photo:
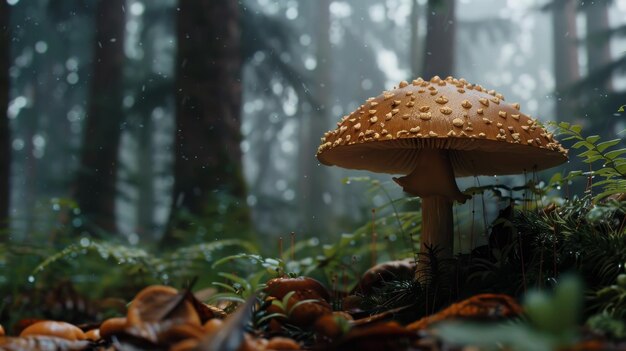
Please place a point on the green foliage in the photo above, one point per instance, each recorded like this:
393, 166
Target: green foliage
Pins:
611, 175
182, 262
533, 248
605, 323
551, 323
611, 300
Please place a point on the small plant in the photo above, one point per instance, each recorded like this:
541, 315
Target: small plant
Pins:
551, 322
611, 173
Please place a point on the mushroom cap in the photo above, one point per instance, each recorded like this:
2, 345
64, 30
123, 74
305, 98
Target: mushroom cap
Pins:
57, 329
112, 326
309, 287
485, 135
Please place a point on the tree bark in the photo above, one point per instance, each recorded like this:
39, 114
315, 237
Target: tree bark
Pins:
598, 50
208, 163
416, 55
5, 143
96, 184
440, 39
566, 69
312, 175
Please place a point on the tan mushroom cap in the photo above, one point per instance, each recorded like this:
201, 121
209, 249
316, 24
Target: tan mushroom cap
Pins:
58, 329
483, 134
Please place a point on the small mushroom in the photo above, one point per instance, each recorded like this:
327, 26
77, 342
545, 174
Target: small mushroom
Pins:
282, 343
303, 288
53, 328
112, 326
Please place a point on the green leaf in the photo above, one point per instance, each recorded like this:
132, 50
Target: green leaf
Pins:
606, 144
576, 128
582, 143
270, 316
494, 336
606, 172
613, 154
302, 302
571, 137
593, 139
608, 192
591, 159
225, 297
241, 281
225, 286
564, 125
574, 174
588, 153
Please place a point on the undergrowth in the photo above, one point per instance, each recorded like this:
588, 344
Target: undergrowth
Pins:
537, 237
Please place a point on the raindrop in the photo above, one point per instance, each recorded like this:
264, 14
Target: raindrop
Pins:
31, 279
77, 222
39, 141
71, 64
18, 144
305, 39
41, 47
85, 242
72, 78
310, 63
291, 13
289, 195
128, 101
137, 8
251, 200
133, 238
327, 198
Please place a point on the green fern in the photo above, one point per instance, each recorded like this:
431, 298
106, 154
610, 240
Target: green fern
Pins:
612, 172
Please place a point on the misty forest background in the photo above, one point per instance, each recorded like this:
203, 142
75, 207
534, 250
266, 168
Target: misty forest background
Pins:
165, 122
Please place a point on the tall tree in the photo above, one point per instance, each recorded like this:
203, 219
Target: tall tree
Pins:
598, 50
566, 69
96, 183
208, 166
415, 55
440, 38
312, 176
5, 151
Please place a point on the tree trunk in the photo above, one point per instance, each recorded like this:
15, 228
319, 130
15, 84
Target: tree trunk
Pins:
313, 176
598, 50
565, 55
96, 184
5, 143
208, 163
416, 55
440, 39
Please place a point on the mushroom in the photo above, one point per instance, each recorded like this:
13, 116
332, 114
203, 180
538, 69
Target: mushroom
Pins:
303, 313
57, 329
452, 129
112, 326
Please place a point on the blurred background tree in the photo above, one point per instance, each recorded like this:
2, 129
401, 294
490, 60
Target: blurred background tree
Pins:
5, 136
97, 176
167, 121
208, 173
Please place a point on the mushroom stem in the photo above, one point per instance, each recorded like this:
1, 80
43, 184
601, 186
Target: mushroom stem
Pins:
432, 176
433, 180
437, 227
